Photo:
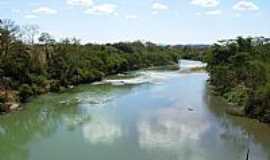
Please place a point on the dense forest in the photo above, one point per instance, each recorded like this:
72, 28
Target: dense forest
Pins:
33, 64
240, 71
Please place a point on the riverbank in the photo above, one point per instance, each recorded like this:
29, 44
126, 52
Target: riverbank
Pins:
12, 98
28, 70
239, 71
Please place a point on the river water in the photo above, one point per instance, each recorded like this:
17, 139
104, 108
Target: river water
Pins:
145, 115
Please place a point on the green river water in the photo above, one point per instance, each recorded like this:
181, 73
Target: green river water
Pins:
146, 115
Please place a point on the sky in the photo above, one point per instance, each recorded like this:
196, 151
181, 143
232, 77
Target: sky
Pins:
159, 21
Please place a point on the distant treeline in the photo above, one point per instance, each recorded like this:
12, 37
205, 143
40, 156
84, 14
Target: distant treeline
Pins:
193, 52
240, 71
29, 67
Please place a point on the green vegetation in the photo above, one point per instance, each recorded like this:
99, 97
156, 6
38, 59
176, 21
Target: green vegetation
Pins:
31, 68
193, 52
240, 72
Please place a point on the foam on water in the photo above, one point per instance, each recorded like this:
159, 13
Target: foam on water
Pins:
151, 76
142, 77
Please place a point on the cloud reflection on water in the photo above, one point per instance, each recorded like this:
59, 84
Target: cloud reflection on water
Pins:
171, 128
192, 136
101, 131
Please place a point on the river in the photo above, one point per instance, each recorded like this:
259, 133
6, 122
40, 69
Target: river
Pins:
144, 115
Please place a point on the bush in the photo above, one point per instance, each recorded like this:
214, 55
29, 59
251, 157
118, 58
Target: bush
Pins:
259, 104
40, 80
25, 91
2, 99
2, 107
238, 95
55, 86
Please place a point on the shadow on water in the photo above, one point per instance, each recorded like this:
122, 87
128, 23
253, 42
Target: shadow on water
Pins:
253, 135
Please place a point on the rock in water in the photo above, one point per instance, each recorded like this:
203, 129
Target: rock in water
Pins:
13, 106
70, 86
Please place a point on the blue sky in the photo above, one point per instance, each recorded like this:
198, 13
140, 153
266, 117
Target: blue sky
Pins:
160, 21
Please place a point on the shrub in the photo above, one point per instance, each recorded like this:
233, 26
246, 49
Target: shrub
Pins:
25, 91
55, 86
2, 99
237, 95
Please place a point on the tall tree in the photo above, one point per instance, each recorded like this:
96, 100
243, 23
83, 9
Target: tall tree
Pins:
46, 38
29, 33
8, 33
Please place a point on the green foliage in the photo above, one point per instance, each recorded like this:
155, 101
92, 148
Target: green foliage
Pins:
2, 107
46, 38
2, 99
240, 72
259, 103
237, 95
25, 91
55, 86
195, 52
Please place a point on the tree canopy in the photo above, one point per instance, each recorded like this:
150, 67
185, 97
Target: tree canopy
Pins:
240, 71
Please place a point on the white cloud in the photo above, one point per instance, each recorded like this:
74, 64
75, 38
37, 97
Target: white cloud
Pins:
101, 132
214, 12
131, 17
158, 7
171, 130
44, 10
103, 9
205, 3
80, 3
209, 13
245, 5
30, 16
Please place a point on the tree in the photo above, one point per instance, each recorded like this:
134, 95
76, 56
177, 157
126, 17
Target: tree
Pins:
46, 38
75, 41
29, 33
241, 69
244, 44
8, 33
